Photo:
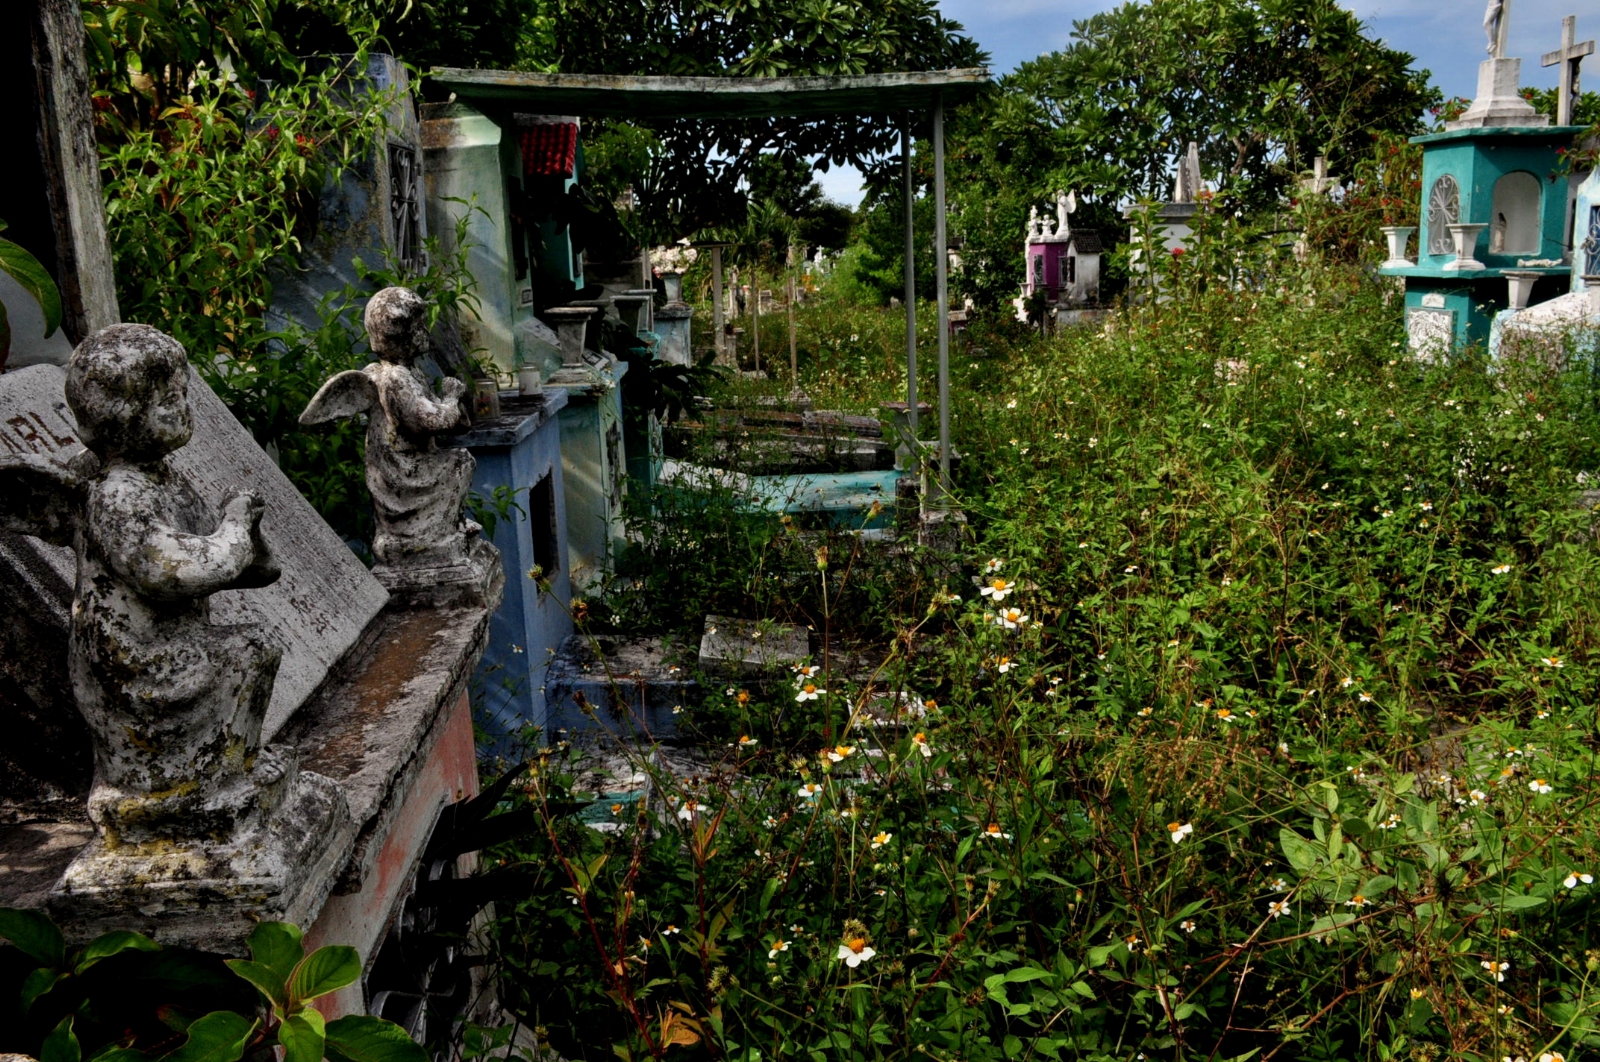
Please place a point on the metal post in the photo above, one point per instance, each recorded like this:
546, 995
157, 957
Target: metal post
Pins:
717, 327
911, 276
940, 265
794, 350
755, 315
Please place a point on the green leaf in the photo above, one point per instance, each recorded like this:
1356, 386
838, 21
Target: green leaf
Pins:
218, 1037
359, 1038
108, 944
27, 271
34, 935
264, 977
1297, 850
302, 1037
277, 945
324, 970
1376, 886
1027, 973
1520, 903
113, 1053
37, 984
62, 1044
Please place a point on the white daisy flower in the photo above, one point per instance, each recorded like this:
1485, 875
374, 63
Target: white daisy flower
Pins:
994, 833
1496, 969
1539, 785
919, 741
809, 692
839, 753
996, 588
1010, 618
854, 952
1577, 877
1278, 908
1187, 925
1179, 830
691, 808
777, 946
810, 790
881, 839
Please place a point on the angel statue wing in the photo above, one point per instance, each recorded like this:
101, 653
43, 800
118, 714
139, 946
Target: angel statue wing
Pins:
41, 498
345, 395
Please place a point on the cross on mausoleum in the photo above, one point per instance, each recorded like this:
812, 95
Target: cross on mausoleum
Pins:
1570, 55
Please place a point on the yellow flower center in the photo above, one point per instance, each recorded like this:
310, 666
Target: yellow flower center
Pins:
993, 827
1359, 900
810, 688
1174, 827
919, 738
616, 809
998, 584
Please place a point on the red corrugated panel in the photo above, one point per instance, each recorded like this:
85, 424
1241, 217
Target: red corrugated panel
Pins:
549, 150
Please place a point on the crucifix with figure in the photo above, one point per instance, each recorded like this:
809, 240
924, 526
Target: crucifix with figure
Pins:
1497, 25
1570, 56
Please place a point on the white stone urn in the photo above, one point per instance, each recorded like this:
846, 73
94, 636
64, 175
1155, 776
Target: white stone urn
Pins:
1465, 237
1519, 285
1398, 237
673, 282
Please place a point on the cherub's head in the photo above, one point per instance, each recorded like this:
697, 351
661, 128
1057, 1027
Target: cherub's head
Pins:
396, 325
128, 386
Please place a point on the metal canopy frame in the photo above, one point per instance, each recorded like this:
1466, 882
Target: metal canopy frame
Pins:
701, 98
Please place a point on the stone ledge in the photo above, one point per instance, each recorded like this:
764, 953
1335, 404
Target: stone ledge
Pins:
372, 726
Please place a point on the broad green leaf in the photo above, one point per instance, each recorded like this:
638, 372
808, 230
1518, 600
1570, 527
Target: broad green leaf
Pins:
324, 970
277, 945
1297, 850
34, 935
37, 984
1376, 886
1027, 973
302, 1037
264, 977
1083, 989
62, 1044
113, 1053
218, 1037
108, 944
28, 272
1521, 903
360, 1038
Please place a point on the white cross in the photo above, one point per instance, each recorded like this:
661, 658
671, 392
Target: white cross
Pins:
1570, 56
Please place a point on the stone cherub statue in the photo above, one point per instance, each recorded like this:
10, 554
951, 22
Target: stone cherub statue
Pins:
183, 789
418, 488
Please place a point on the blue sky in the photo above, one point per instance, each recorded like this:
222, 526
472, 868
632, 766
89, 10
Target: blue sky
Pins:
1446, 36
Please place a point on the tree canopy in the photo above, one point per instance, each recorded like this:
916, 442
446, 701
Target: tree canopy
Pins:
1263, 86
697, 165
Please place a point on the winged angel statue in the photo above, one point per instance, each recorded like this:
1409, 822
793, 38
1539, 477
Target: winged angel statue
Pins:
173, 702
417, 487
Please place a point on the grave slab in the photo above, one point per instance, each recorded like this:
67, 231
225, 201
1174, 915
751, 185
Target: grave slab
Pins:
741, 647
325, 597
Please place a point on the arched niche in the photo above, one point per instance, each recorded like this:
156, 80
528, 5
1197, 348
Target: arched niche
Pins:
1514, 216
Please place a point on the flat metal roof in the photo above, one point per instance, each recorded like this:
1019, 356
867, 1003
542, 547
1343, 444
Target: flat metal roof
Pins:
629, 96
